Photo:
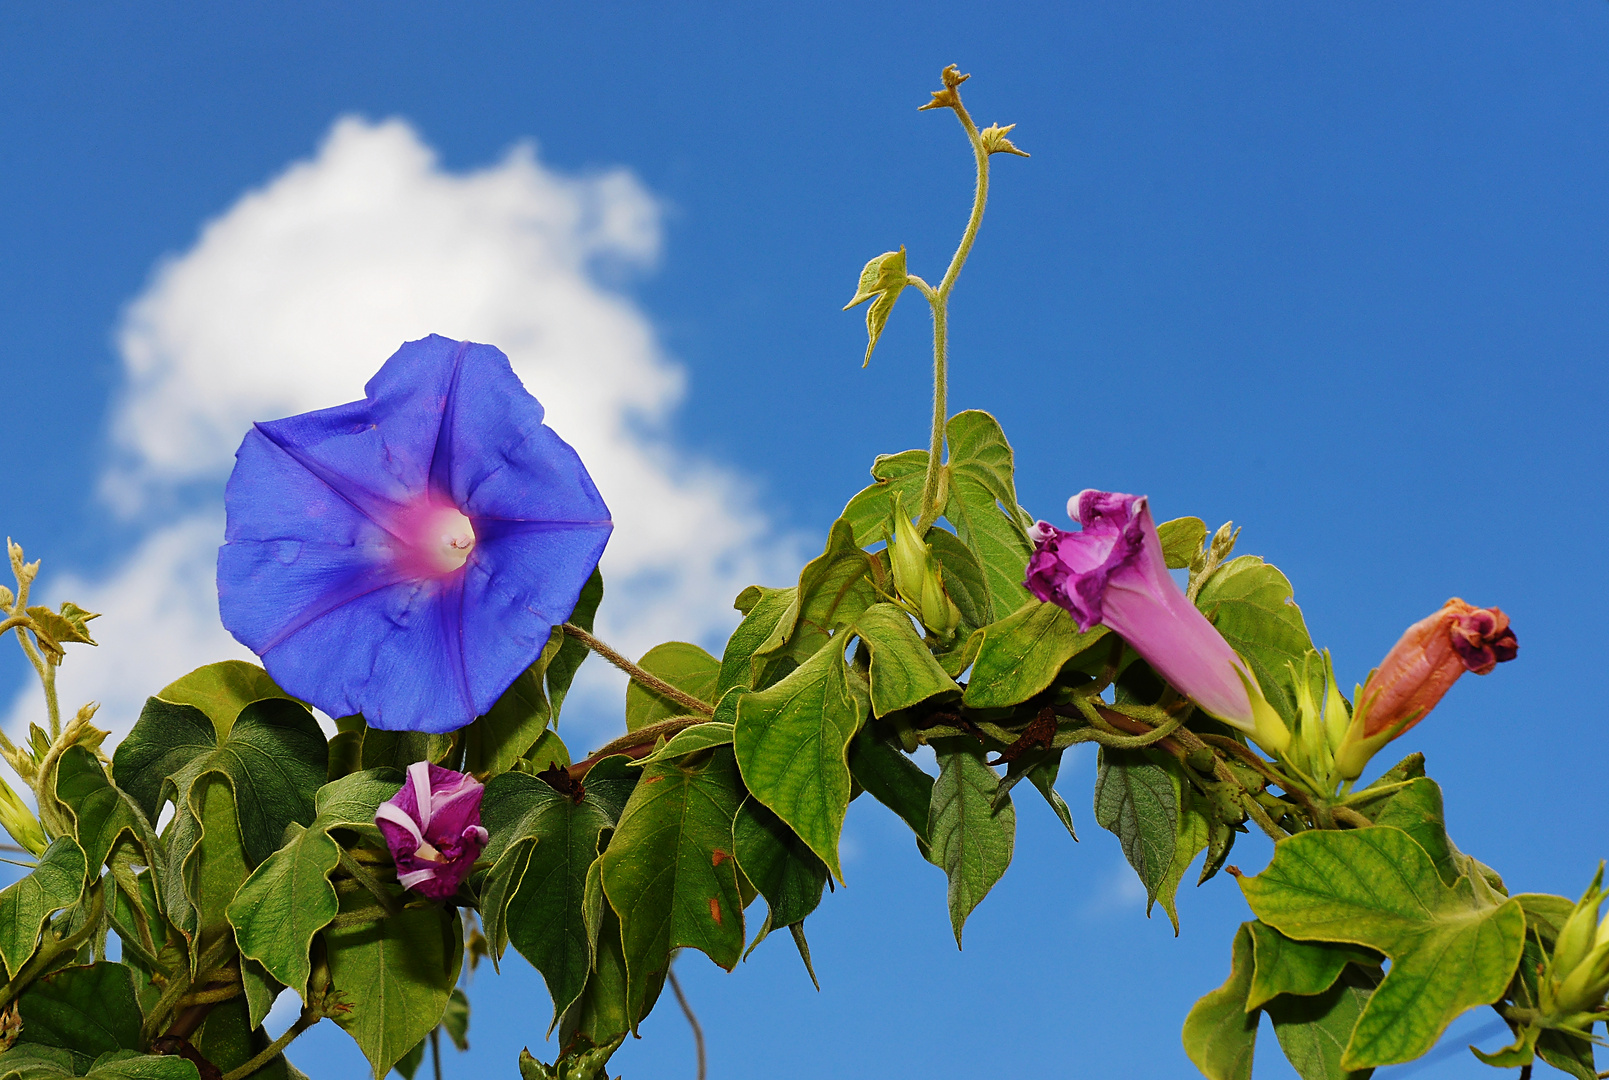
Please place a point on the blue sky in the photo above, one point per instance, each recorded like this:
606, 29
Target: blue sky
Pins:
1337, 273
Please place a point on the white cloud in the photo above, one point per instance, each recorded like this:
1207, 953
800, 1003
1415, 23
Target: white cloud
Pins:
293, 297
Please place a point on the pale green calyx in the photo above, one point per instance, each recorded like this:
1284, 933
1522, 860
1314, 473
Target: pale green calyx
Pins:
1271, 733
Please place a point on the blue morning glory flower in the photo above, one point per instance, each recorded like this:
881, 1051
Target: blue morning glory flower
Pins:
406, 556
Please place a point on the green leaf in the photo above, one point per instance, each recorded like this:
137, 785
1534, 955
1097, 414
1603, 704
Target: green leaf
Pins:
562, 668
792, 743
1417, 810
669, 872
209, 861
261, 989
1137, 798
32, 1061
1451, 948
1022, 653
686, 667
455, 1021
151, 1067
739, 664
228, 1040
548, 752
600, 1017
788, 874
221, 690
101, 812
881, 282
494, 742
982, 505
691, 740
285, 903
1545, 914
394, 975
971, 840
1568, 1054
1181, 540
1190, 841
536, 890
408, 1064
399, 749
1313, 1031
1305, 968
870, 513
894, 780
1220, 1034
288, 899
88, 1010
903, 671
835, 589
1250, 603
1043, 777
52, 885
272, 754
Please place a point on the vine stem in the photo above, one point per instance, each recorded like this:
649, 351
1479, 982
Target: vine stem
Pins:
275, 1048
692, 1021
637, 674
939, 300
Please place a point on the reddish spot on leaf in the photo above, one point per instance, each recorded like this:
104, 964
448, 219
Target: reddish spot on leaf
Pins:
715, 910
718, 857
654, 779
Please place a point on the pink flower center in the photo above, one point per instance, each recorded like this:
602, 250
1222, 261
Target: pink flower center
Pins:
440, 539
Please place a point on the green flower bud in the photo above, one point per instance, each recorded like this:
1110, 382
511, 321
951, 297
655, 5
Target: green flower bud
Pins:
20, 822
917, 577
1576, 939
1578, 974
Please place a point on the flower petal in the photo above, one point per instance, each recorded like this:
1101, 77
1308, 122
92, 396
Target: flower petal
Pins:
521, 582
395, 655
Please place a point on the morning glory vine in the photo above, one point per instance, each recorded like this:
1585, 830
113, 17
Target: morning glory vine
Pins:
422, 567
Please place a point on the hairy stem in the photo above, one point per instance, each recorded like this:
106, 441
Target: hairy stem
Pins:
211, 958
692, 1021
939, 300
363, 877
637, 674
275, 1048
642, 739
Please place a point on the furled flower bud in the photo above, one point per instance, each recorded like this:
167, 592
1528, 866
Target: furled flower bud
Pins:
20, 822
432, 827
1113, 573
918, 579
1418, 670
1578, 974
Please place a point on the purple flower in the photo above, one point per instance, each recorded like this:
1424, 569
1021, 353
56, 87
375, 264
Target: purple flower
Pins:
406, 556
432, 827
1113, 573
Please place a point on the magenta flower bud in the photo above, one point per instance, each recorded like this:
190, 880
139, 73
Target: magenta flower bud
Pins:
432, 827
1113, 574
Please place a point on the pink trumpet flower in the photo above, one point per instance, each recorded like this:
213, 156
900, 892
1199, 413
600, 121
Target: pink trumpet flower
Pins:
1112, 573
433, 829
